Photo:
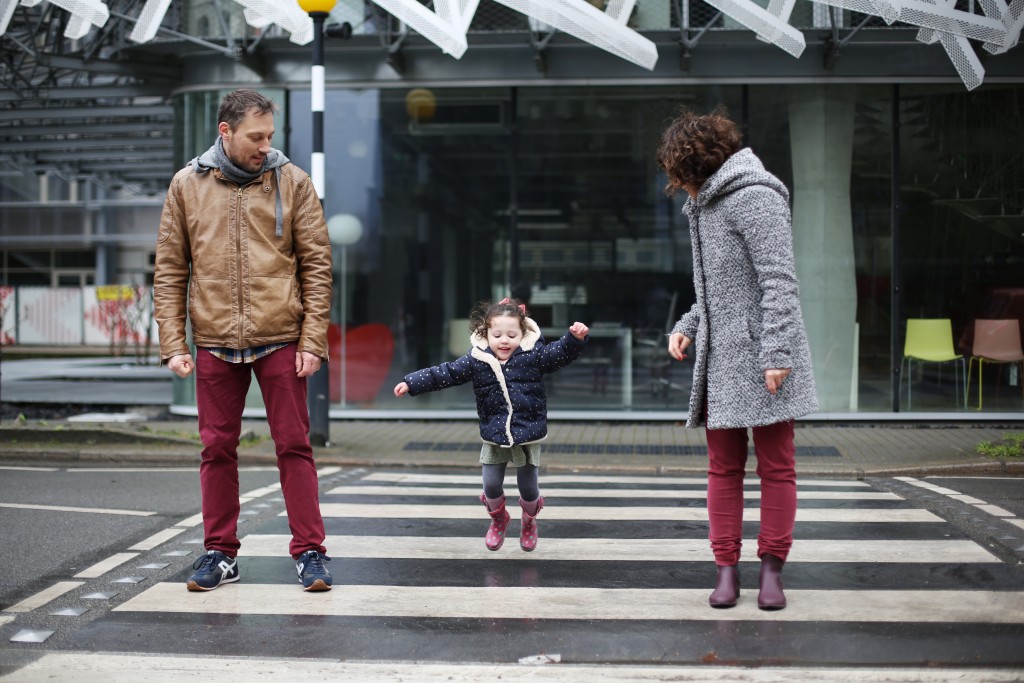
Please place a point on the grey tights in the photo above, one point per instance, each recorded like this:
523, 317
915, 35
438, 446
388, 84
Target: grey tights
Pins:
526, 477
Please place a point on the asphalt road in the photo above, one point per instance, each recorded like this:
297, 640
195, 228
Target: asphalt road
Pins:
616, 591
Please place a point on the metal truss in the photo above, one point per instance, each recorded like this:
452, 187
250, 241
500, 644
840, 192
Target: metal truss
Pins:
83, 102
78, 63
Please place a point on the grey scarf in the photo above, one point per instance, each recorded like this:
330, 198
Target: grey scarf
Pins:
215, 157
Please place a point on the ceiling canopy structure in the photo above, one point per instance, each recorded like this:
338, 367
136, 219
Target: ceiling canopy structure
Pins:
83, 96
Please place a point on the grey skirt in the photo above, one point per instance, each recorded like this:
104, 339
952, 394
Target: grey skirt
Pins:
528, 454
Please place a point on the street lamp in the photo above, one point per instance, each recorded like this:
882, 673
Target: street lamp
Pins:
344, 229
319, 383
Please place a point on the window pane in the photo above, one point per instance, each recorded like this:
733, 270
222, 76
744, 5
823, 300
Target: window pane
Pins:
961, 235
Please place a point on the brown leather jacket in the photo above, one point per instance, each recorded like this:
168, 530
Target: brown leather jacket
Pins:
244, 286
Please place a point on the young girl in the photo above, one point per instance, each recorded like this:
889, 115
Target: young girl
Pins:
506, 363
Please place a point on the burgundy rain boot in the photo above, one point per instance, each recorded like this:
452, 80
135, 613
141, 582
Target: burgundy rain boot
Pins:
727, 590
771, 596
499, 521
528, 531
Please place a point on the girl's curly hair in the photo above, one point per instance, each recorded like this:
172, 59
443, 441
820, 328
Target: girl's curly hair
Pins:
482, 314
694, 146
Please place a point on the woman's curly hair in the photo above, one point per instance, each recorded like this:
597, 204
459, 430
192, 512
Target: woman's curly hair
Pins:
482, 314
694, 146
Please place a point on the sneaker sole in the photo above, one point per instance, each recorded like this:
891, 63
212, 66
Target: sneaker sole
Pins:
318, 585
193, 586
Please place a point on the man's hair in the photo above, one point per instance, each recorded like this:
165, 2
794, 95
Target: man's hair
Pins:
236, 105
694, 146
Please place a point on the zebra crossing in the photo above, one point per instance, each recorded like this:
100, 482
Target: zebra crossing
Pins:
616, 590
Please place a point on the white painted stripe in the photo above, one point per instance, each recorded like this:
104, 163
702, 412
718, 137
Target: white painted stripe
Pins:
316, 75
191, 521
601, 493
157, 538
940, 489
121, 668
263, 491
44, 596
317, 173
30, 469
931, 487
423, 478
6, 619
995, 510
176, 470
327, 471
894, 606
65, 508
632, 550
1016, 522
964, 498
577, 512
972, 478
104, 566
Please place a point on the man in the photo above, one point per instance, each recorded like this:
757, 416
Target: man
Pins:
243, 250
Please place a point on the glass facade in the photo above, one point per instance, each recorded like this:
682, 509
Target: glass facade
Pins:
907, 204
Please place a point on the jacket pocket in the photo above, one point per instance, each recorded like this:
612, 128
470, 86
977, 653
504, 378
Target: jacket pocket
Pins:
275, 305
211, 306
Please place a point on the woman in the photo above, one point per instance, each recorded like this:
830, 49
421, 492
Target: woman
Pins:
753, 364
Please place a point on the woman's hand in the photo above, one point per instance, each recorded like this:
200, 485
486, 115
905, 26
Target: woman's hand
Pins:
773, 378
677, 343
401, 389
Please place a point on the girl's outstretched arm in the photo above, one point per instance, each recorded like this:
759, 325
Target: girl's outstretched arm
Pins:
449, 374
558, 354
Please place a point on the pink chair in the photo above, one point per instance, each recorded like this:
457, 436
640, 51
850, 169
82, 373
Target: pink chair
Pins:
995, 341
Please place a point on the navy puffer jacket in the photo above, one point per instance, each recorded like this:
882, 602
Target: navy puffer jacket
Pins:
510, 398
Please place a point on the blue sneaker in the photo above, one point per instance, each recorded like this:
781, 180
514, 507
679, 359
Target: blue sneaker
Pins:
213, 569
312, 572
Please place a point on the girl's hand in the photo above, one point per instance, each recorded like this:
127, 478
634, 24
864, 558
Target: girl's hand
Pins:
579, 330
401, 389
677, 343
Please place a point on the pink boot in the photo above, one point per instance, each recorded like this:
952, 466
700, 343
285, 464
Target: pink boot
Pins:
528, 531
499, 521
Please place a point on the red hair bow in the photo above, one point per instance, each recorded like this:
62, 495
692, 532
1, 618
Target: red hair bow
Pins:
506, 300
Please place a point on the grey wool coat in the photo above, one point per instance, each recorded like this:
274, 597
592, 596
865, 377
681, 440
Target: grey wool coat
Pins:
747, 315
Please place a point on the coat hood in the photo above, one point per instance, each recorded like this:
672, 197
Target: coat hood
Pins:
530, 339
742, 169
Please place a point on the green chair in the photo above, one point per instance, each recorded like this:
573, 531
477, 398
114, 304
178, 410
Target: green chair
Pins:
930, 340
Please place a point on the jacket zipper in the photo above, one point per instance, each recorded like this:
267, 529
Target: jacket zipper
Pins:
238, 251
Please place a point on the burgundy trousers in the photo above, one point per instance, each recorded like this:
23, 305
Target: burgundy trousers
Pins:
220, 396
776, 468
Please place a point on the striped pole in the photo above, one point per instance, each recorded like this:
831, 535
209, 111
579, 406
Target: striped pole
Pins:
318, 387
317, 103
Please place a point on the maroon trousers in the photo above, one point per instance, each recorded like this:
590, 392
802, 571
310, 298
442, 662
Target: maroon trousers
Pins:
776, 468
220, 396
